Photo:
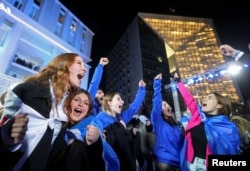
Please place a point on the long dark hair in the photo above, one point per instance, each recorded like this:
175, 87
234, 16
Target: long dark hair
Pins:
67, 104
170, 120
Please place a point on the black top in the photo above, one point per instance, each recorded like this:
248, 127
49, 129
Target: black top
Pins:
199, 140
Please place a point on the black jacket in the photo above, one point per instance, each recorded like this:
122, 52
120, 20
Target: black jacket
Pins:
78, 156
122, 141
36, 95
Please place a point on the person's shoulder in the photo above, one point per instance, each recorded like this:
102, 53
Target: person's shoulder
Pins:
101, 114
25, 85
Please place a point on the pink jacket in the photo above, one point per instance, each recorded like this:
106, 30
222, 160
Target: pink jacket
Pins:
194, 121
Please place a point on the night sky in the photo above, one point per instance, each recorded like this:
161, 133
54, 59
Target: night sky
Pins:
109, 19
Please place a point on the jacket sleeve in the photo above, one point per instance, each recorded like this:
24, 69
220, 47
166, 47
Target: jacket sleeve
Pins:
191, 104
95, 81
157, 102
245, 59
188, 98
127, 115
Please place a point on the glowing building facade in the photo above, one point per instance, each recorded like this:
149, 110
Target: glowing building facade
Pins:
156, 43
32, 32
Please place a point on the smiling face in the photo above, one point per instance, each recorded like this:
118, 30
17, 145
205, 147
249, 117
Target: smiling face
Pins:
77, 72
166, 109
210, 105
80, 106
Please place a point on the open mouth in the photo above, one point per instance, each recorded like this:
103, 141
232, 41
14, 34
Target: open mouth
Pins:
80, 76
77, 110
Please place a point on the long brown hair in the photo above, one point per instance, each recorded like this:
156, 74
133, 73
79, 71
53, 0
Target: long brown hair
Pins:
67, 103
58, 72
225, 102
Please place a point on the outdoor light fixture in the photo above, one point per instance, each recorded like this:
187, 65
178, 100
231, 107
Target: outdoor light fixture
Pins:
232, 68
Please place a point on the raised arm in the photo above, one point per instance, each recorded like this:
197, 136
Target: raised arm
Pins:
187, 97
97, 76
238, 55
157, 99
127, 115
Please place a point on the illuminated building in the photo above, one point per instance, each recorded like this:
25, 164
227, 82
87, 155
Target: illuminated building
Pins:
156, 43
32, 32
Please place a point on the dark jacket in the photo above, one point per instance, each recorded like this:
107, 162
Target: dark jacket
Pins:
78, 156
37, 96
122, 142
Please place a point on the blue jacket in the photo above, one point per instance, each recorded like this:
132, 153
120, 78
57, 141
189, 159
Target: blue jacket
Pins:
128, 114
94, 86
169, 139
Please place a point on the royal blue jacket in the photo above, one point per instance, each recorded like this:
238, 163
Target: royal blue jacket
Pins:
94, 86
126, 115
169, 140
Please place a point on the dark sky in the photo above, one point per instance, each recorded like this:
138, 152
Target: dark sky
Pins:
109, 19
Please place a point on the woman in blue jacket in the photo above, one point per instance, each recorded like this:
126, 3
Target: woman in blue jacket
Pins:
95, 92
168, 137
114, 123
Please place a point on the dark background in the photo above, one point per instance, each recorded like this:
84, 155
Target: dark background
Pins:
109, 19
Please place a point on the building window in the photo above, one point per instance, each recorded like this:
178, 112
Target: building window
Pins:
18, 4
73, 27
38, 2
58, 29
82, 48
33, 11
60, 21
71, 38
83, 34
72, 32
60, 18
5, 28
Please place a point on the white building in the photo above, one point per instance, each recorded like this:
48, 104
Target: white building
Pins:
32, 32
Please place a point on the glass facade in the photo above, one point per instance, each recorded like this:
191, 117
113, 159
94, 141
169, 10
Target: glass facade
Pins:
155, 44
194, 44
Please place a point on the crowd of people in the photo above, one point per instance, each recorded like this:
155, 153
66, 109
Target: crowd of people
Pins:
48, 122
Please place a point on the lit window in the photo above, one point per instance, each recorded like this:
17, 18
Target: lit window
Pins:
72, 32
73, 25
